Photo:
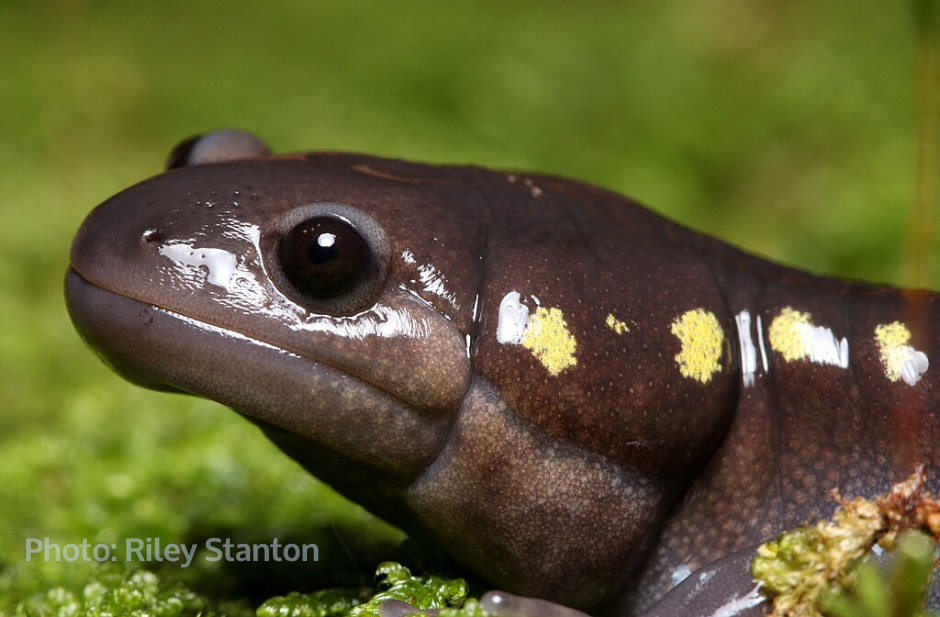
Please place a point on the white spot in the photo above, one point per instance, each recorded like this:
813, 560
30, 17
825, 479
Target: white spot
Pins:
220, 265
760, 342
326, 240
393, 323
794, 336
432, 279
738, 605
900, 359
435, 283
748, 351
533, 190
513, 319
915, 365
822, 347
681, 573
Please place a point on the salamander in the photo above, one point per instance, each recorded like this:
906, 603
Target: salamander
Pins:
578, 399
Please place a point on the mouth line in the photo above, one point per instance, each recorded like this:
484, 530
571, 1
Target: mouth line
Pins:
228, 332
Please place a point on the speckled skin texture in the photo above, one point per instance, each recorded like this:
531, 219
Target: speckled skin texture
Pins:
588, 487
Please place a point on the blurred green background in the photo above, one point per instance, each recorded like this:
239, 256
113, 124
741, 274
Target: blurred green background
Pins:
786, 128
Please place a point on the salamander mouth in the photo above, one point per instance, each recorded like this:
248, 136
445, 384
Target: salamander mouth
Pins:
153, 310
164, 350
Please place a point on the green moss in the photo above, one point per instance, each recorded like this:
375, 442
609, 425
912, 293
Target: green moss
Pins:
111, 592
325, 603
395, 582
813, 569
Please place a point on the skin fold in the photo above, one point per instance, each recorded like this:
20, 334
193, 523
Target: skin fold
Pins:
576, 398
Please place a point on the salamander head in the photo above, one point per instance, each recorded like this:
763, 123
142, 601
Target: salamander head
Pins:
293, 289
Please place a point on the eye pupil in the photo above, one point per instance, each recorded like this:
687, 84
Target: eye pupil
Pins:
325, 257
323, 250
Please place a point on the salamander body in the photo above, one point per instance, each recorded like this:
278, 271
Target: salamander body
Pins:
578, 399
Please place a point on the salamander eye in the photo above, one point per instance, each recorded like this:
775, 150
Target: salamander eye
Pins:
331, 258
217, 147
326, 257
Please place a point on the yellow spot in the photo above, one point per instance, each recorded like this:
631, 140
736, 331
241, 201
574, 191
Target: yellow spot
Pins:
549, 340
788, 334
702, 342
893, 342
616, 325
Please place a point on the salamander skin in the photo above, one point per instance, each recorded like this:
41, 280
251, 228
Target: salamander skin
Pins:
578, 399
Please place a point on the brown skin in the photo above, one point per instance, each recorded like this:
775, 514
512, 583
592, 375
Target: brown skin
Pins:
588, 487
